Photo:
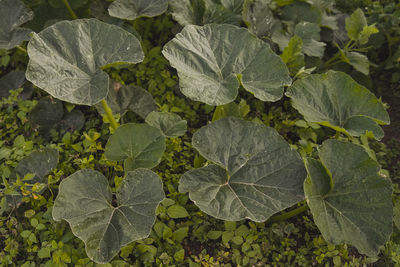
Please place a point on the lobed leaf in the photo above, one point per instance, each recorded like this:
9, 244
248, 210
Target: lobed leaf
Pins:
335, 100
256, 174
133, 9
13, 13
66, 59
170, 124
85, 202
350, 202
213, 60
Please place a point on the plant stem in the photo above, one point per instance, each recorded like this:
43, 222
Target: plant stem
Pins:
20, 48
107, 109
286, 215
70, 10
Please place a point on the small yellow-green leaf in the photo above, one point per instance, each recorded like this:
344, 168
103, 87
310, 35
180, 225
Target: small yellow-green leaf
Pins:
177, 211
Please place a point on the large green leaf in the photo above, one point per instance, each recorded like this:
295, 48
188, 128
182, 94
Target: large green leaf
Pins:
349, 200
213, 60
132, 98
139, 145
335, 100
13, 13
187, 12
310, 34
66, 58
256, 174
170, 124
46, 115
132, 9
85, 202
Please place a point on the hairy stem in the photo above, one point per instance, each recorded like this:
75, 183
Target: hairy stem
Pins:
286, 215
70, 10
20, 48
110, 117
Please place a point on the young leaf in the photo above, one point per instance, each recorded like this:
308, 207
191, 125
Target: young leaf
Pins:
359, 61
139, 145
355, 24
13, 13
132, 98
335, 100
170, 124
255, 175
66, 58
133, 9
85, 202
292, 55
11, 81
349, 201
213, 60
366, 32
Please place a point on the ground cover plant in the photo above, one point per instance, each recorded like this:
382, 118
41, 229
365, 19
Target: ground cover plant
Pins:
198, 133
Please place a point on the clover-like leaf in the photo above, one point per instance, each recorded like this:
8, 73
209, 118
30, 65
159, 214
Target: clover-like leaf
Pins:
85, 202
170, 124
133, 9
213, 60
139, 145
132, 98
334, 99
13, 13
66, 59
350, 202
256, 174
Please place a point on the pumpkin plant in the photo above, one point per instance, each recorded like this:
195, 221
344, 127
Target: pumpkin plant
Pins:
252, 172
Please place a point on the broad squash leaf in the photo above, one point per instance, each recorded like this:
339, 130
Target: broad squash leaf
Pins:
132, 9
259, 17
256, 174
201, 12
13, 13
171, 124
310, 34
66, 58
11, 81
139, 145
359, 62
132, 98
335, 100
350, 202
213, 60
85, 202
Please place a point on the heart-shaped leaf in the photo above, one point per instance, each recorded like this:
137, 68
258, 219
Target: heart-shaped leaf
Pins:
13, 13
85, 202
139, 145
169, 123
335, 100
132, 98
350, 202
133, 9
256, 173
66, 58
213, 60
